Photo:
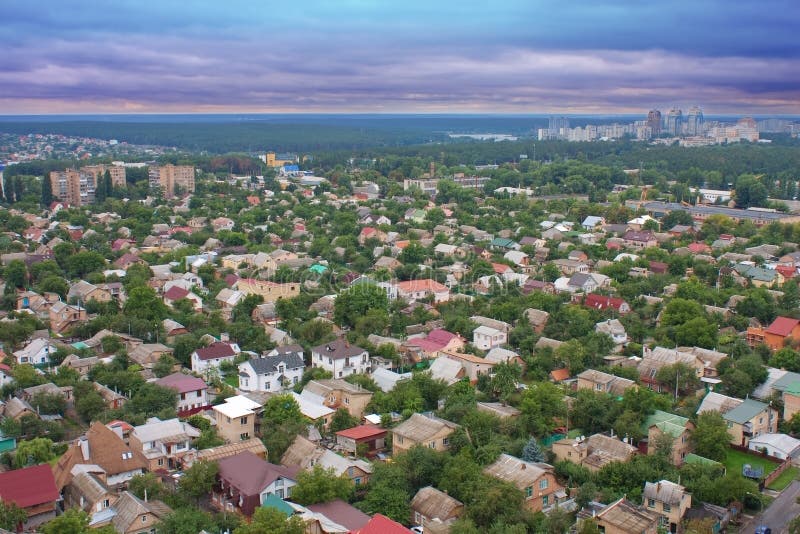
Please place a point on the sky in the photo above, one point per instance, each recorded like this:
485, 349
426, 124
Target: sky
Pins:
415, 56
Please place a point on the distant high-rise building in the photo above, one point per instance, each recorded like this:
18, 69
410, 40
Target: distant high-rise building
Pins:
169, 177
674, 122
694, 121
98, 171
557, 127
72, 187
654, 122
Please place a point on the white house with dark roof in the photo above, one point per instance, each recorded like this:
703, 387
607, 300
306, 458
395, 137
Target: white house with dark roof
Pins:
214, 355
341, 358
192, 391
280, 369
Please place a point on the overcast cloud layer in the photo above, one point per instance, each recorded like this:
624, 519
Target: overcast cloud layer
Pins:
74, 56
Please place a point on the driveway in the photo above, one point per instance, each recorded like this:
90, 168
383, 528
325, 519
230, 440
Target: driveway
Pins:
782, 510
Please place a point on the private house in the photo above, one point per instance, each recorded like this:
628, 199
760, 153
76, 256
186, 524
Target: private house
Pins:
746, 419
16, 408
214, 355
81, 365
570, 267
604, 382
369, 438
148, 354
450, 371
537, 481
236, 418
486, 337
678, 428
669, 500
430, 505
776, 334
656, 359
192, 392
104, 448
613, 329
426, 430
245, 481
132, 515
88, 492
37, 352
624, 517
604, 302
111, 398
593, 452
414, 290
304, 454
82, 291
472, 365
537, 319
341, 358
336, 394
64, 316
34, 490
282, 368
313, 409
498, 409
434, 342
227, 299
165, 444
175, 293
344, 515
270, 291
640, 239
501, 355
380, 524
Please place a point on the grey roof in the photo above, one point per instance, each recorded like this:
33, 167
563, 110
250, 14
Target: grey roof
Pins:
270, 364
773, 375
664, 491
712, 210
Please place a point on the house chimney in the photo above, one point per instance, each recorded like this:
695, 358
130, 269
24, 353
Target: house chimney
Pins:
658, 487
84, 443
524, 466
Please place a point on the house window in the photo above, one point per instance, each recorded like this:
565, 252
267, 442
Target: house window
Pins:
144, 518
357, 481
106, 503
432, 444
543, 483
183, 396
446, 442
399, 439
417, 518
160, 461
651, 503
199, 393
244, 436
529, 491
667, 508
244, 420
545, 500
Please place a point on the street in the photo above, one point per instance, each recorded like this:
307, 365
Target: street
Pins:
782, 510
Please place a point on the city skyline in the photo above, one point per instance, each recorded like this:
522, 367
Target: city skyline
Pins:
358, 56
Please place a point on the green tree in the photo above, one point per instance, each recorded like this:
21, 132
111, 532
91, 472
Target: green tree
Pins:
356, 301
531, 452
198, 479
89, 405
151, 399
679, 375
11, 515
143, 303
321, 485
186, 521
49, 403
47, 191
146, 485
16, 274
281, 409
34, 451
268, 520
710, 436
750, 192
72, 521
342, 420
164, 365
786, 358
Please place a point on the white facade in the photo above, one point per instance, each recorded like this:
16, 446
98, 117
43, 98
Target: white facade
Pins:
486, 337
36, 352
342, 367
255, 375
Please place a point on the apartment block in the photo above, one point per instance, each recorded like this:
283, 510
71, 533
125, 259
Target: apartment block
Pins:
172, 179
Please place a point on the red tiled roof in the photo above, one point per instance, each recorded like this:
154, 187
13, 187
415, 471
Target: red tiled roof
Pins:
361, 432
182, 383
29, 486
601, 302
559, 374
782, 326
216, 350
500, 268
413, 286
380, 524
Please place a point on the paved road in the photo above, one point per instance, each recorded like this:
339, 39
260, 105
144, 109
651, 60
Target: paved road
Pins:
782, 510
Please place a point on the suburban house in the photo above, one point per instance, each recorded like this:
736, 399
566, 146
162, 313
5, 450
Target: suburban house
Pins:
148, 354
304, 454
746, 418
282, 368
64, 316
537, 481
603, 302
34, 490
270, 291
669, 500
413, 290
593, 452
678, 428
450, 371
165, 444
192, 392
472, 365
776, 334
537, 319
486, 337
431, 505
132, 515
227, 300
336, 393
37, 352
778, 445
254, 445
88, 492
245, 481
82, 291
604, 382
653, 360
426, 430
175, 293
341, 513
363, 439
236, 418
613, 329
341, 358
103, 447
624, 517
436, 341
214, 355
640, 239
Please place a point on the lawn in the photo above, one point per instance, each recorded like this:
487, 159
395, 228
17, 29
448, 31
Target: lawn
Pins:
784, 479
736, 459
232, 380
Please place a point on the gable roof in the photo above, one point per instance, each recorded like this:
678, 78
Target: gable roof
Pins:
182, 383
420, 428
338, 349
269, 364
342, 513
380, 524
254, 445
671, 424
432, 503
129, 507
782, 326
516, 471
249, 474
29, 486
220, 349
628, 517
664, 491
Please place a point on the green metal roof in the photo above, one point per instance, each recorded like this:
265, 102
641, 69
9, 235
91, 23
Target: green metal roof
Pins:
747, 410
793, 388
273, 501
669, 423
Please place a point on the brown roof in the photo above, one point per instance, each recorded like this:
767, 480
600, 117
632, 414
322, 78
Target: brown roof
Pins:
341, 513
254, 445
338, 349
421, 428
516, 471
129, 507
432, 503
106, 449
249, 474
627, 517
